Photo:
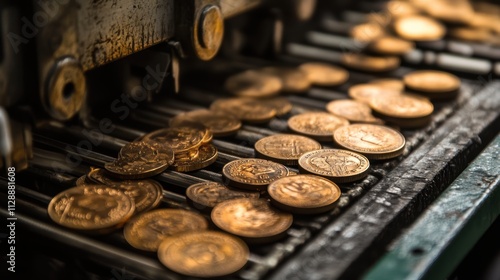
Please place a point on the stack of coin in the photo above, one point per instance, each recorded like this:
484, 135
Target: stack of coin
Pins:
252, 173
433, 84
317, 125
285, 148
205, 196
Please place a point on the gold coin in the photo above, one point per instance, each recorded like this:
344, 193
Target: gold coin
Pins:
389, 45
197, 126
373, 141
293, 80
367, 32
401, 9
280, 104
91, 208
419, 28
432, 83
454, 11
352, 110
368, 63
395, 84
323, 74
141, 159
304, 194
204, 196
206, 156
472, 34
147, 230
317, 125
405, 110
252, 173
366, 92
244, 109
340, 166
220, 124
285, 148
252, 219
205, 254
251, 83
180, 139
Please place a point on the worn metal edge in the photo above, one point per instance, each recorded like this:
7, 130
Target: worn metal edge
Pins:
434, 245
349, 245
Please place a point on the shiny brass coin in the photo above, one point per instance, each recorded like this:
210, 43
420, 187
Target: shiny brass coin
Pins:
405, 110
366, 92
367, 32
317, 125
207, 155
304, 194
340, 166
395, 84
432, 83
91, 208
220, 124
147, 230
252, 219
352, 110
244, 109
389, 45
205, 254
252, 83
285, 148
180, 139
197, 126
367, 63
294, 80
280, 104
252, 173
141, 159
419, 28
204, 196
323, 74
373, 141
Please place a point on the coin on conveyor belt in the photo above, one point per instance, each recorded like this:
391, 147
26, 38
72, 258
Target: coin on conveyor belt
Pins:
294, 80
367, 32
147, 230
324, 74
352, 110
91, 208
405, 110
180, 139
146, 194
141, 159
432, 83
304, 194
359, 61
419, 28
206, 156
285, 148
340, 166
389, 45
471, 34
317, 125
205, 195
397, 8
373, 141
220, 124
366, 92
205, 254
253, 83
252, 173
245, 109
254, 220
390, 83
282, 105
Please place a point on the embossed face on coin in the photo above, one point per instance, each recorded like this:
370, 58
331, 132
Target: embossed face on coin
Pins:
252, 83
285, 148
208, 194
245, 109
252, 173
219, 123
323, 74
317, 125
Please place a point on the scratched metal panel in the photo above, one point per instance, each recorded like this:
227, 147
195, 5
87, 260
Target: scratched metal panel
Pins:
112, 29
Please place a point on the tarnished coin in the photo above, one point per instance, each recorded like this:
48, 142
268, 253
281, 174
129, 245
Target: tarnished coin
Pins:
352, 110
304, 194
405, 110
294, 80
366, 92
317, 125
252, 83
147, 230
206, 156
389, 45
204, 196
323, 74
368, 63
419, 28
91, 208
432, 83
373, 141
367, 32
252, 219
340, 166
285, 148
280, 104
220, 124
180, 139
390, 83
205, 254
141, 159
245, 109
252, 173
